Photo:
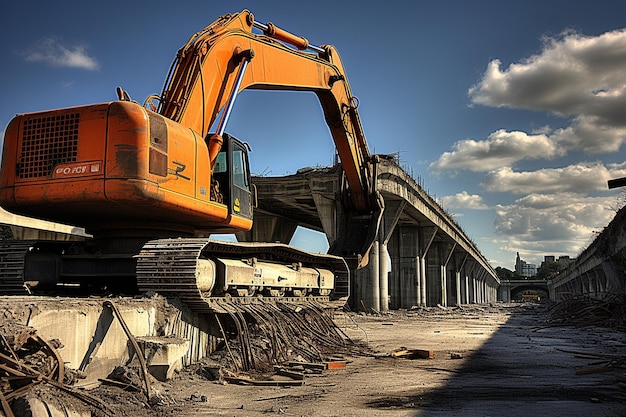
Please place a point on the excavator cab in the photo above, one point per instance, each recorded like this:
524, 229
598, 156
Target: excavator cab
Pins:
231, 184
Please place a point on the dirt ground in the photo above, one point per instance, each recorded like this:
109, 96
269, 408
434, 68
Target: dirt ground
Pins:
489, 360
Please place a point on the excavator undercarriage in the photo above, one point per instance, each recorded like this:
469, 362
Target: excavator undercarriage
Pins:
206, 275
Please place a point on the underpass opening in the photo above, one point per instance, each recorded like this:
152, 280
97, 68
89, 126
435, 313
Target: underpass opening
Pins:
529, 293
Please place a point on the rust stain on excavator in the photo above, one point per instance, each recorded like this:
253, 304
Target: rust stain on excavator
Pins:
131, 124
126, 159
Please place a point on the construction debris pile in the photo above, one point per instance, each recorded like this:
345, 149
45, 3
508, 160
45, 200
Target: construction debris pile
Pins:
258, 338
269, 344
27, 362
607, 311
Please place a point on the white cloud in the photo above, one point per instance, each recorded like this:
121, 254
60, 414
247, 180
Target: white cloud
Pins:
543, 222
590, 134
578, 178
52, 52
557, 210
573, 76
464, 200
500, 149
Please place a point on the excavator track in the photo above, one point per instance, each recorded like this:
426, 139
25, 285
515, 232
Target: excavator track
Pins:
12, 258
170, 267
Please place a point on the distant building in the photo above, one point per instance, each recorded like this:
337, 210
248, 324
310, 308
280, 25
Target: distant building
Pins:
523, 268
529, 270
565, 260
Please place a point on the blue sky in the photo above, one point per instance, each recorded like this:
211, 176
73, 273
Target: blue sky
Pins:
511, 114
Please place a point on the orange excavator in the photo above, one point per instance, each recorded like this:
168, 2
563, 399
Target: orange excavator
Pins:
150, 183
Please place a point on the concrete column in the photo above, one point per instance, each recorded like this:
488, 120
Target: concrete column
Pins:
446, 253
444, 285
327, 212
374, 267
433, 278
614, 277
505, 291
397, 271
391, 215
602, 282
366, 288
427, 236
481, 281
383, 277
418, 280
423, 262
581, 284
588, 283
471, 282
477, 290
457, 277
459, 259
467, 290
484, 290
404, 282
476, 298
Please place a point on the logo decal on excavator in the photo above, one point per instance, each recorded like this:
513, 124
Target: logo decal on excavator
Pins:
72, 170
236, 206
177, 171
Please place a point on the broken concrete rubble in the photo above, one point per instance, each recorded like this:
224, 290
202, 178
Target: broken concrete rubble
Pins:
111, 341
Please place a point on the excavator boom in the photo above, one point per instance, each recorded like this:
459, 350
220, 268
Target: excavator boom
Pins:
205, 73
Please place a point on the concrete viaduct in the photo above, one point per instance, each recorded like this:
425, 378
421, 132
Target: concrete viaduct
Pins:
599, 269
421, 256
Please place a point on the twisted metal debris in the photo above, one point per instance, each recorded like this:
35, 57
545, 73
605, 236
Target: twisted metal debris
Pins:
27, 360
582, 310
272, 333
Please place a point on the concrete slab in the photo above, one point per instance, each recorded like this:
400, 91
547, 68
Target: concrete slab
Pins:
164, 355
93, 340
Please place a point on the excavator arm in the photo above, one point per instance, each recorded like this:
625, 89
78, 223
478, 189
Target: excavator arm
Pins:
227, 57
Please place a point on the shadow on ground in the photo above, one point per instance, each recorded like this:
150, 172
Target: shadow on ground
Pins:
524, 369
